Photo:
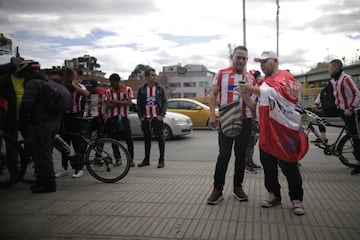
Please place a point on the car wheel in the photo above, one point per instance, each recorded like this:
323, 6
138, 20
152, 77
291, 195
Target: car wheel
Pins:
167, 132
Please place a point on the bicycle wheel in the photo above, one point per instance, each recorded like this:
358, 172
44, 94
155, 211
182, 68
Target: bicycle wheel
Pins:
346, 151
11, 158
107, 160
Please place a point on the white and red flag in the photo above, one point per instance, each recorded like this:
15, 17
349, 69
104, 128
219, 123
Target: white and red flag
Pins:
281, 132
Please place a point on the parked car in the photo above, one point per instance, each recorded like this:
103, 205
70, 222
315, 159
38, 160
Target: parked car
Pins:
175, 124
197, 111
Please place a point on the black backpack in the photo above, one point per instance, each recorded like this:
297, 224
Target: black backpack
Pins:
327, 98
56, 98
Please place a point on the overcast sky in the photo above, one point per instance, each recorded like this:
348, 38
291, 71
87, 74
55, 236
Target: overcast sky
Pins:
124, 33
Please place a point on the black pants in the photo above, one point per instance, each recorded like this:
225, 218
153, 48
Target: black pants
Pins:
71, 123
291, 172
225, 149
327, 113
157, 126
116, 130
353, 126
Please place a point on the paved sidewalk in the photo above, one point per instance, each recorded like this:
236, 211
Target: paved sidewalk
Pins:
170, 203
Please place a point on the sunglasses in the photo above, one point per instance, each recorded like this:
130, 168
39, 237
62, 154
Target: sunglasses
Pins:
241, 58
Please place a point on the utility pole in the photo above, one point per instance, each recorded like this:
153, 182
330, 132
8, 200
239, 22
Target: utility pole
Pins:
244, 24
277, 26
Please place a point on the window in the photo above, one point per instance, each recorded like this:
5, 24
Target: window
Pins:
189, 95
175, 95
175, 85
189, 84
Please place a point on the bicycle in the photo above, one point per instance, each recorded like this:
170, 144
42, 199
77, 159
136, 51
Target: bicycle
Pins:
106, 159
343, 147
98, 158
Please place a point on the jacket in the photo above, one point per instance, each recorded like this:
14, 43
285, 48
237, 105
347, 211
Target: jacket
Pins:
161, 99
7, 91
32, 104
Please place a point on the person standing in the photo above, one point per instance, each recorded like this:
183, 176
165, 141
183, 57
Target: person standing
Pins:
250, 166
282, 141
224, 85
152, 105
347, 99
325, 100
72, 120
43, 125
12, 91
118, 100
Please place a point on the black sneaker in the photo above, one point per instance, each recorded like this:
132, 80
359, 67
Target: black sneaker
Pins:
132, 164
117, 163
215, 197
356, 170
239, 194
143, 164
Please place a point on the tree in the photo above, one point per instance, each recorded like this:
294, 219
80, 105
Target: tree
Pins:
320, 67
139, 71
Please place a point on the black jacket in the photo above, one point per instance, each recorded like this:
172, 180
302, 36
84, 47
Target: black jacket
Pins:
161, 99
7, 91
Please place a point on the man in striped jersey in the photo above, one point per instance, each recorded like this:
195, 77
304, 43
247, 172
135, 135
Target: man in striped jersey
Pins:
224, 85
118, 100
152, 104
347, 99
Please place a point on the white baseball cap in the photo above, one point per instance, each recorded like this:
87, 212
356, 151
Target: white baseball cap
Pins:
266, 55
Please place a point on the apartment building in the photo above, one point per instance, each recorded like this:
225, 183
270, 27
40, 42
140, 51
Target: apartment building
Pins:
189, 81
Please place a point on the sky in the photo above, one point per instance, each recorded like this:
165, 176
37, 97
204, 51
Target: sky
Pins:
121, 34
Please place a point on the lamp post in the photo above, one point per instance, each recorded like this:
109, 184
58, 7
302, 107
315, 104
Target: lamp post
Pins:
244, 24
277, 27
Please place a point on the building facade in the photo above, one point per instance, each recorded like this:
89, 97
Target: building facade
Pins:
189, 81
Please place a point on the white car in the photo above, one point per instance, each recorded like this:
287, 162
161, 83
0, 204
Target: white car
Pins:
175, 124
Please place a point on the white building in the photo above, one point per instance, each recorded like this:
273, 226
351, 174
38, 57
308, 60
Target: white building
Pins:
188, 81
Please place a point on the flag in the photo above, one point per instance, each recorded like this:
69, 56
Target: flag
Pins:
281, 132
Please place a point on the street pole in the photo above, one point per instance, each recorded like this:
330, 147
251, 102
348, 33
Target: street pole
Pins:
277, 27
244, 24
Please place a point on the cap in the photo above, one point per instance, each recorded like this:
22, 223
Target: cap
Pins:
266, 55
27, 66
90, 84
114, 77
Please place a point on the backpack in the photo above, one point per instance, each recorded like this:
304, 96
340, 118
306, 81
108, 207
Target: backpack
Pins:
56, 98
327, 98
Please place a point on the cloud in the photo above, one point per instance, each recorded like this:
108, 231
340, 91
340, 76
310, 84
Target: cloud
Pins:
123, 34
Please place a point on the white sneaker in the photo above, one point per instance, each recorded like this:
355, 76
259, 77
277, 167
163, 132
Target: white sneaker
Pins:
77, 173
298, 208
62, 173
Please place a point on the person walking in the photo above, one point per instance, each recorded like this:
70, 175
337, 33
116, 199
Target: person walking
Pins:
152, 105
282, 141
347, 99
224, 85
117, 124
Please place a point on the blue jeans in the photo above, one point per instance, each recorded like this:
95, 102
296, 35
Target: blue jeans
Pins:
43, 138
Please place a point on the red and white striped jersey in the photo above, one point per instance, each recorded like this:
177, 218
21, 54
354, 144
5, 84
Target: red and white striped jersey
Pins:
121, 94
151, 105
95, 103
347, 95
227, 79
